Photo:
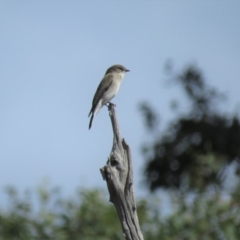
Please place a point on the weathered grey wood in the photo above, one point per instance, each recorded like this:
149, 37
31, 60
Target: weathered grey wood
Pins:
118, 174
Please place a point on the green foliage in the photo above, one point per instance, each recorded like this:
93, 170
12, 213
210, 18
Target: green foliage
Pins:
89, 215
196, 148
193, 156
206, 217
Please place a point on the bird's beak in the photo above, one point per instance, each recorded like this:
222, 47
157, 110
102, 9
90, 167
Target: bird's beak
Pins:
127, 70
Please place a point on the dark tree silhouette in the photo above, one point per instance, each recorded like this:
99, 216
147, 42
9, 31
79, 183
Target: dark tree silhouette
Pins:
198, 146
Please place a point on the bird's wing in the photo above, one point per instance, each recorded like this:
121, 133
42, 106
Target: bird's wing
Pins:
102, 88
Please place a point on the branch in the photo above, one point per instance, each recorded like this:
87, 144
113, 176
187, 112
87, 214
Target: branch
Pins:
118, 174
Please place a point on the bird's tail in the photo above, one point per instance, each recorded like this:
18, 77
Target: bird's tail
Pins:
91, 119
90, 111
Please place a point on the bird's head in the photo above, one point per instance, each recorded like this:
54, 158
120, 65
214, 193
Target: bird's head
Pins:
117, 69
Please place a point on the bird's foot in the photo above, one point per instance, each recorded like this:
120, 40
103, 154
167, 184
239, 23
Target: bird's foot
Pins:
109, 105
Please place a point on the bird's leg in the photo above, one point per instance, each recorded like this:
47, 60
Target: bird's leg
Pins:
109, 104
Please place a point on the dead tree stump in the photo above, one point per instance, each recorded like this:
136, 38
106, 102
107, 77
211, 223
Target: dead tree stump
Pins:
118, 174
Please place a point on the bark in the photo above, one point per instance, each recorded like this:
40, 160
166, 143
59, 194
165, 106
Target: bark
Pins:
118, 174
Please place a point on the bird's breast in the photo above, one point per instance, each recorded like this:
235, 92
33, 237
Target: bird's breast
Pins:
111, 92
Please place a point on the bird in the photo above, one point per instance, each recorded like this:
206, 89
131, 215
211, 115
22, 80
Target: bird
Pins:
107, 89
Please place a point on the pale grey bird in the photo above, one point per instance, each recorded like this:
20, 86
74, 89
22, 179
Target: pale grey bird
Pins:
107, 88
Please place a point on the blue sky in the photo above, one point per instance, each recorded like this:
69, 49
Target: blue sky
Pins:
53, 55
